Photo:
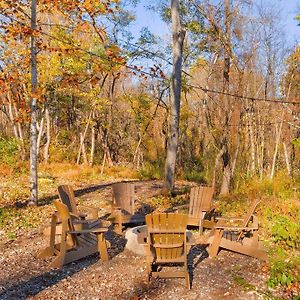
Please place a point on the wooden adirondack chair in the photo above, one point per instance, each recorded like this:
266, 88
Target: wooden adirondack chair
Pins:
167, 245
238, 235
74, 244
200, 207
122, 206
67, 196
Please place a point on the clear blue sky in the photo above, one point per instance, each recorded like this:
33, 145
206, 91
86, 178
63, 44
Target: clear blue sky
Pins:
289, 10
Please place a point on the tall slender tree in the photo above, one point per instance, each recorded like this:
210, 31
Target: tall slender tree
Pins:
178, 35
33, 109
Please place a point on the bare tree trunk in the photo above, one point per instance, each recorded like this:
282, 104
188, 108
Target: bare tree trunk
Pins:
103, 163
260, 148
92, 146
262, 157
85, 160
178, 38
236, 154
226, 180
33, 111
82, 138
15, 130
82, 149
287, 158
105, 147
276, 150
136, 152
217, 162
40, 131
252, 146
47, 145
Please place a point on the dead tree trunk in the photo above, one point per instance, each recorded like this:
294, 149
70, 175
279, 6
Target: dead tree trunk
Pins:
178, 35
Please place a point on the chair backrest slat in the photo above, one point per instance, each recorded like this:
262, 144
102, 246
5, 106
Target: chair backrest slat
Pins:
124, 196
65, 217
250, 212
167, 234
200, 200
67, 196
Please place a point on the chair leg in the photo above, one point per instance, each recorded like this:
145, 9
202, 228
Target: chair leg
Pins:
119, 224
214, 247
187, 275
148, 276
53, 233
200, 226
102, 247
58, 262
118, 228
187, 280
45, 253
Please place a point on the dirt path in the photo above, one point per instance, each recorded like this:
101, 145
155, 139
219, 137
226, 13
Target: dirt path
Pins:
229, 276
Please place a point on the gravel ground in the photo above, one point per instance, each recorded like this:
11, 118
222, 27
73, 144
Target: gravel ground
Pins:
22, 276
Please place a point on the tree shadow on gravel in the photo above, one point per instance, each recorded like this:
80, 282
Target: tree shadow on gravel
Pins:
196, 255
36, 284
141, 289
78, 193
117, 242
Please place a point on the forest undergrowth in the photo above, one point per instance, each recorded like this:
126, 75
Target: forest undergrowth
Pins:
279, 211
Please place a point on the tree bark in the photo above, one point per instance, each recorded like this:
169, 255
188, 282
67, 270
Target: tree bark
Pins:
226, 159
92, 145
40, 135
276, 149
33, 111
82, 138
287, 158
178, 35
48, 135
252, 145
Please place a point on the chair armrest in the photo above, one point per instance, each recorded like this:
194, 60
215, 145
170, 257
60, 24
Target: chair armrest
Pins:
229, 219
181, 206
142, 238
95, 230
191, 241
116, 210
76, 216
93, 210
232, 228
91, 207
85, 221
255, 221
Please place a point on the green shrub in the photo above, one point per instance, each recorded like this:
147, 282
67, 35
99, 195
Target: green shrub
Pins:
284, 227
285, 231
281, 186
195, 176
8, 150
151, 171
284, 271
62, 153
